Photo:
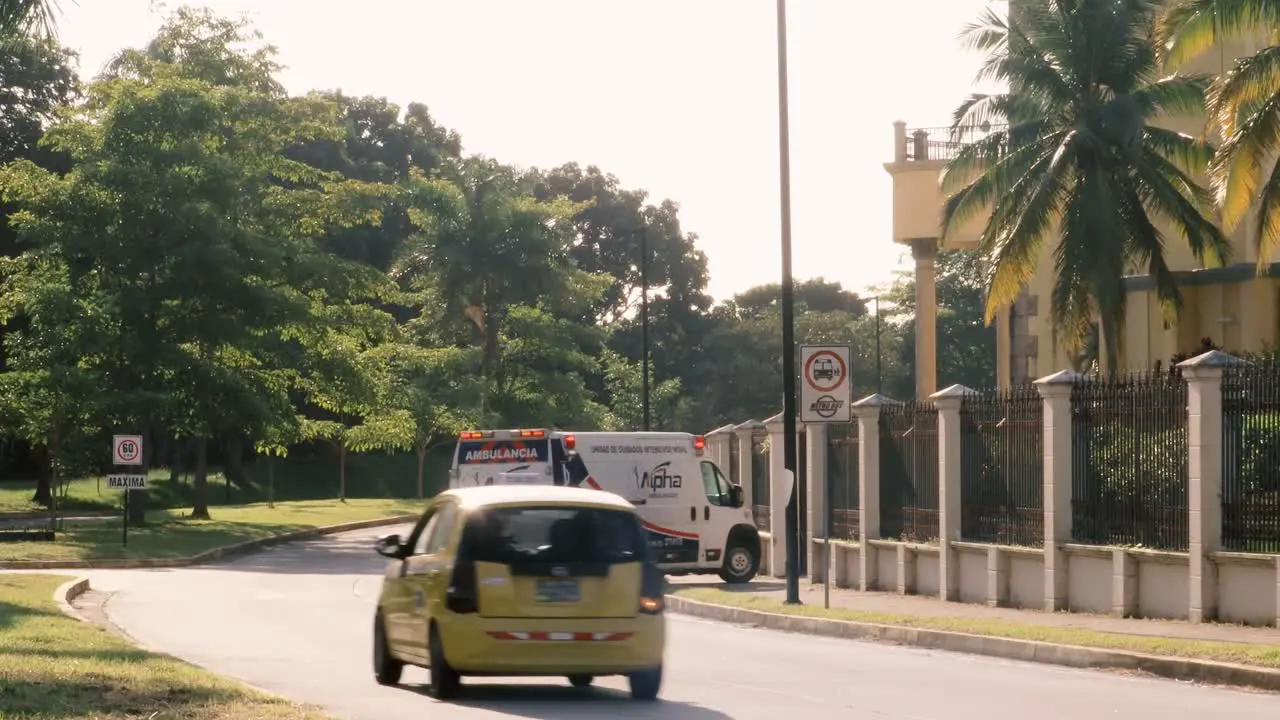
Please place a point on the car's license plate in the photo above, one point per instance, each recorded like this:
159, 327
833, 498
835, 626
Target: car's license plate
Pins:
557, 591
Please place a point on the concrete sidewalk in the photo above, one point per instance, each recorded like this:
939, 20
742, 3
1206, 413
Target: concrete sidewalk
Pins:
892, 603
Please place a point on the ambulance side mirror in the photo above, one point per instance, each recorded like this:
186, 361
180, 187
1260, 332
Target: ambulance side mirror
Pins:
735, 495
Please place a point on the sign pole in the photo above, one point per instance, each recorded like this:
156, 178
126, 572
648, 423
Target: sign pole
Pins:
826, 397
826, 540
126, 451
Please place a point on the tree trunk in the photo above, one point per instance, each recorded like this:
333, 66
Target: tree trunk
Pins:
175, 460
43, 494
1110, 337
235, 470
55, 451
271, 481
342, 471
422, 459
489, 360
200, 490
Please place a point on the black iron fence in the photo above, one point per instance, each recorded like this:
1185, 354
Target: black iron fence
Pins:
843, 500
1251, 458
1002, 467
909, 472
944, 143
760, 479
1129, 461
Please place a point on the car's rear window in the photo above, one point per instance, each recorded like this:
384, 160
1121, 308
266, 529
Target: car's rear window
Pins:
553, 534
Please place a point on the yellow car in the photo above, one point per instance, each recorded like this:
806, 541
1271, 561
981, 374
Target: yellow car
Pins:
522, 580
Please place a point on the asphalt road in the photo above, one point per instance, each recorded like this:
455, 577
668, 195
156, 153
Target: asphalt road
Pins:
296, 620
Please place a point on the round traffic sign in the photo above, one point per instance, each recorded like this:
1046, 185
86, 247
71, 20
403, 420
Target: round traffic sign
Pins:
825, 370
127, 450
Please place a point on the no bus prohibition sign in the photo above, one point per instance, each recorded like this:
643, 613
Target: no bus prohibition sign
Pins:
825, 371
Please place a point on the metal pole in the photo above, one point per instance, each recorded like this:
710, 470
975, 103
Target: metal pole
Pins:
826, 530
879, 388
789, 460
124, 537
644, 322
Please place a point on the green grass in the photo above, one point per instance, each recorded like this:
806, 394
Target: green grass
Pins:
53, 667
1239, 653
299, 477
169, 533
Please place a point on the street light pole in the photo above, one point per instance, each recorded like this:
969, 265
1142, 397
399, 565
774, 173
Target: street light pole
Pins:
644, 322
789, 412
879, 389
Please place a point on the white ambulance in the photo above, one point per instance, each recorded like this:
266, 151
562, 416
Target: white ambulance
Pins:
694, 517
503, 457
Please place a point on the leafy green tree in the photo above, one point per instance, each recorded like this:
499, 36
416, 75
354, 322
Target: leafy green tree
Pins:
1080, 162
612, 226
339, 382
669, 407
422, 399
47, 393
544, 371
197, 290
1243, 107
490, 248
20, 18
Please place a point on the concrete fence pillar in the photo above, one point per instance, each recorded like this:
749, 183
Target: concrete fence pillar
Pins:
948, 401
867, 411
718, 446
815, 439
779, 491
1203, 374
1055, 390
746, 463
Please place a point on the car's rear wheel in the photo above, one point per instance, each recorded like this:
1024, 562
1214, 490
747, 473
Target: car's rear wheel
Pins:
645, 684
386, 669
445, 681
581, 680
740, 565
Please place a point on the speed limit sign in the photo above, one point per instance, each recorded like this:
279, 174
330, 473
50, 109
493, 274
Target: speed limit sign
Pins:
126, 449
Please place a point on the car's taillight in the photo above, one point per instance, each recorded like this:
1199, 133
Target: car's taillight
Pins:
652, 589
463, 593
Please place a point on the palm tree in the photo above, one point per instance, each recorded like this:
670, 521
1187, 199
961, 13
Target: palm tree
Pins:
1243, 108
1078, 161
19, 17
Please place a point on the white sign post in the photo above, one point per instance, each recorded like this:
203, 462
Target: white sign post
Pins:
825, 397
126, 450
825, 393
126, 482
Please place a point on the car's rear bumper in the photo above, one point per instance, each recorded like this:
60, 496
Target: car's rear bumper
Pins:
544, 646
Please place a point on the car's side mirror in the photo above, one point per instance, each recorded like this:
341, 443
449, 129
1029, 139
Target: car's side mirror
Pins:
735, 495
388, 546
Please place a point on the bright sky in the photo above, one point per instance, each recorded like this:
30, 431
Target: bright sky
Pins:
678, 97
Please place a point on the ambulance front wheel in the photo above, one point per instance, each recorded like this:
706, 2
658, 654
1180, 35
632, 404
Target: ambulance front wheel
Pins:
740, 564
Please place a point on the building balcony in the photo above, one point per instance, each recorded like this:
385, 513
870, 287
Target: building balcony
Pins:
920, 154
938, 144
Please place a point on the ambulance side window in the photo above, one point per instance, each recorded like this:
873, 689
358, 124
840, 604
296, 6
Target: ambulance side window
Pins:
715, 485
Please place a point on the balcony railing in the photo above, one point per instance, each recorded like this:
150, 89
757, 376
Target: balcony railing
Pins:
942, 143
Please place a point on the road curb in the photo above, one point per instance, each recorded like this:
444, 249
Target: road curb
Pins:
1176, 668
208, 555
67, 592
62, 514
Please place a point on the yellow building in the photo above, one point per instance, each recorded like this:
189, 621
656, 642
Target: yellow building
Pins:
1231, 305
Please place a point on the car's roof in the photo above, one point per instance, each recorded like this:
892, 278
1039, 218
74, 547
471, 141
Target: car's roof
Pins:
493, 495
